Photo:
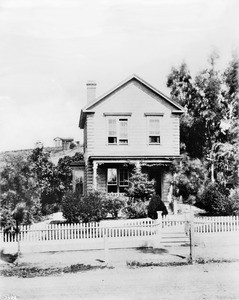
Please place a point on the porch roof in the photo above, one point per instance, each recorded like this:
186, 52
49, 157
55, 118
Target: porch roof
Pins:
79, 163
134, 159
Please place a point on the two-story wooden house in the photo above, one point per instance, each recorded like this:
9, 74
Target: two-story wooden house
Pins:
131, 124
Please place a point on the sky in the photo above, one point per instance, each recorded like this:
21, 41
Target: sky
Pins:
49, 49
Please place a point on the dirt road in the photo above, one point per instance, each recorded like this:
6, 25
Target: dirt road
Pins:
209, 281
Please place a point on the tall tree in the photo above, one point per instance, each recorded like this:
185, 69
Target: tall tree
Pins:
183, 90
209, 127
18, 185
47, 178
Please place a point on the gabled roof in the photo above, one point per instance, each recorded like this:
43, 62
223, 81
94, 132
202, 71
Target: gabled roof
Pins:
89, 108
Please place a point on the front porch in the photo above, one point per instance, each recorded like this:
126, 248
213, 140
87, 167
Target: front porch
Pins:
112, 175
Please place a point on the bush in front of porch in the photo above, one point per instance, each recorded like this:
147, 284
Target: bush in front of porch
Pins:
92, 207
113, 204
140, 187
88, 208
135, 210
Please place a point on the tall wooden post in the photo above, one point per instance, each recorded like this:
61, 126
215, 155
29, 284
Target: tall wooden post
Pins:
95, 166
106, 246
191, 236
158, 230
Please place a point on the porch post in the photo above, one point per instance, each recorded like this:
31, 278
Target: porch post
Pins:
95, 166
137, 164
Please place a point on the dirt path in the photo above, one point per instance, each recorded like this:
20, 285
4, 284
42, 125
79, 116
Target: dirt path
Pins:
210, 281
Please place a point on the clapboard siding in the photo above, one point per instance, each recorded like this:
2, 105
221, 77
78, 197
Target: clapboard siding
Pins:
135, 99
89, 179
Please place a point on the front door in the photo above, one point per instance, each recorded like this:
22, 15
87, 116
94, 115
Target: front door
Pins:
155, 173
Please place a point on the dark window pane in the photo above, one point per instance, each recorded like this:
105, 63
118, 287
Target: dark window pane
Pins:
112, 188
124, 177
112, 140
122, 189
154, 139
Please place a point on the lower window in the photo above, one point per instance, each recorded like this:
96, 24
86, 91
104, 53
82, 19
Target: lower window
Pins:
117, 180
154, 139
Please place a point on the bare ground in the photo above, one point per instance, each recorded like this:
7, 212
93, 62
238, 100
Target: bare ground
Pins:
210, 281
199, 281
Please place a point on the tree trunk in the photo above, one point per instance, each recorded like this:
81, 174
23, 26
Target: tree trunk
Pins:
18, 246
212, 172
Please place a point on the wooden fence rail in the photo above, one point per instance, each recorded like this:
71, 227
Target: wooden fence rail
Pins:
120, 228
51, 232
216, 224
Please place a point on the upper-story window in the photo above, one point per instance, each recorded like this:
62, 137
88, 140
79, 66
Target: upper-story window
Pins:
117, 131
112, 131
154, 130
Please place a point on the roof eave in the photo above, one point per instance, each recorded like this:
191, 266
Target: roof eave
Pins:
83, 117
179, 112
82, 120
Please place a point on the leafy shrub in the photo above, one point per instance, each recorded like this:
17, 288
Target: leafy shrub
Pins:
232, 206
71, 207
140, 187
88, 208
113, 204
188, 178
156, 204
214, 199
91, 208
6, 219
50, 208
72, 145
135, 210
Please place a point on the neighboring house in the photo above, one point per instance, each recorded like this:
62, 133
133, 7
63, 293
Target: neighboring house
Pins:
131, 124
64, 143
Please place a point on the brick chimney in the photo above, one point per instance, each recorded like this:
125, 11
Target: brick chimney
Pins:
91, 91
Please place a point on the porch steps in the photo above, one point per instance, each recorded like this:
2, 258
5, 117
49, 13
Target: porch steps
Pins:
177, 237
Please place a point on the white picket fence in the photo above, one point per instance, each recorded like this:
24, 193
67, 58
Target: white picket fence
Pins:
119, 233
216, 224
64, 237
93, 230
